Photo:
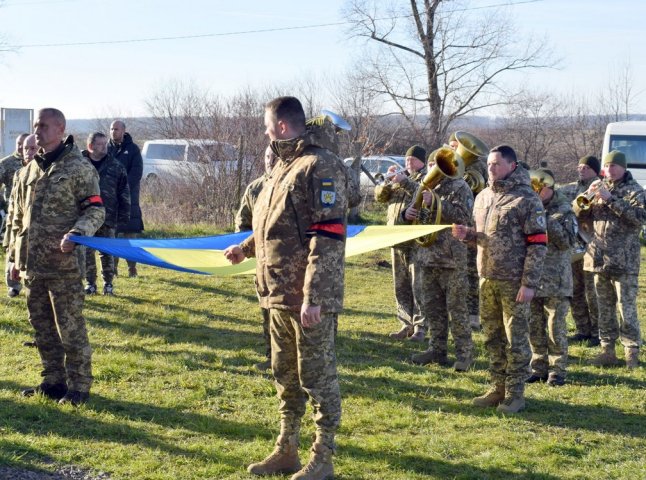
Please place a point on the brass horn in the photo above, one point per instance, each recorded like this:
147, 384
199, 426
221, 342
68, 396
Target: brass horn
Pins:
471, 148
448, 163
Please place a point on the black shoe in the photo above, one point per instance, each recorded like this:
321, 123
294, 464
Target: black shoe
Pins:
107, 289
594, 342
90, 289
536, 378
75, 398
556, 380
12, 292
31, 344
578, 338
55, 392
132, 272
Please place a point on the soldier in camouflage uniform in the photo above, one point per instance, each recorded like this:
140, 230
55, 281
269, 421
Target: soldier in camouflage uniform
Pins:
9, 166
243, 223
547, 326
57, 197
440, 276
299, 243
115, 193
585, 311
510, 232
398, 193
613, 255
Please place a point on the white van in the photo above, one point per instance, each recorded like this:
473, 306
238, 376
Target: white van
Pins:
629, 138
187, 159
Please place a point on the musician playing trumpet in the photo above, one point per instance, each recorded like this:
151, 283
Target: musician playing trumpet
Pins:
397, 191
618, 213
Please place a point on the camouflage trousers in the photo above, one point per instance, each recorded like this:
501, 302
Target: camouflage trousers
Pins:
585, 311
618, 293
505, 324
15, 284
404, 277
266, 335
55, 309
548, 334
131, 264
439, 293
107, 261
473, 289
303, 361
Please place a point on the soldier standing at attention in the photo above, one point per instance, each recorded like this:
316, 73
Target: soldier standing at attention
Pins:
113, 181
398, 192
127, 152
8, 168
618, 213
585, 311
510, 232
547, 326
440, 276
57, 197
299, 243
243, 223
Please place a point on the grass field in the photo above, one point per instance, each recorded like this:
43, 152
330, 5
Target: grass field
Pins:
176, 395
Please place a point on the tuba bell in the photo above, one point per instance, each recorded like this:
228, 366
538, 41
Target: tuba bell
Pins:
448, 163
471, 148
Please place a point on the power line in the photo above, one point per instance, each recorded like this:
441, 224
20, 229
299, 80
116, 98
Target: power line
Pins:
242, 32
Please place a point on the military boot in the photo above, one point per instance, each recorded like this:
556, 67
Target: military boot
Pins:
283, 460
492, 397
632, 357
320, 465
462, 362
607, 357
513, 403
401, 334
429, 356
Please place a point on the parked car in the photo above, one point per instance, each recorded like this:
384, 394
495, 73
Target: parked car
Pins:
377, 164
188, 159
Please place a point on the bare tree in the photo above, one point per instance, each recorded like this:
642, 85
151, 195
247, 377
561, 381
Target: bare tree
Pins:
436, 62
619, 96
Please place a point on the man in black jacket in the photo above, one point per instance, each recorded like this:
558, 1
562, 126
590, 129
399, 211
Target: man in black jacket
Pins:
127, 152
115, 194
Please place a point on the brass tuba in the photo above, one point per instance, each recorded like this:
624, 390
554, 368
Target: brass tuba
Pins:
448, 163
471, 148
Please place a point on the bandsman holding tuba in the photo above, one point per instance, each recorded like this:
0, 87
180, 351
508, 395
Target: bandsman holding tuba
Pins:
443, 197
397, 192
618, 211
547, 325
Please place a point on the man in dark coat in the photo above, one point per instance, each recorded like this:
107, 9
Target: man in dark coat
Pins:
127, 152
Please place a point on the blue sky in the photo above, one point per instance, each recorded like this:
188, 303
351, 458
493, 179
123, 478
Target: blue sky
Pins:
590, 36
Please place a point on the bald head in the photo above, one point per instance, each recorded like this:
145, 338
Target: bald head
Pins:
29, 149
49, 128
117, 131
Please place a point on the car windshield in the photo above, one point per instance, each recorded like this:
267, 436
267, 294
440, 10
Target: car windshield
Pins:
163, 151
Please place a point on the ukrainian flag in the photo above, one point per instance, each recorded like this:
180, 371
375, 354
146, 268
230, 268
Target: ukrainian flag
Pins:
204, 255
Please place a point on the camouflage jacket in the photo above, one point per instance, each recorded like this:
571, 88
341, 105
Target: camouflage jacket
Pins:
571, 190
556, 279
299, 229
324, 134
457, 207
8, 167
7, 233
48, 204
398, 197
614, 248
244, 217
115, 193
510, 230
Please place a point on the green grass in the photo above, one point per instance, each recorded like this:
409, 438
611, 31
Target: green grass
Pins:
176, 395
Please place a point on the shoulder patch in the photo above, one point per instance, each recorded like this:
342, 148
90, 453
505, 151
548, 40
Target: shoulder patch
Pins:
328, 193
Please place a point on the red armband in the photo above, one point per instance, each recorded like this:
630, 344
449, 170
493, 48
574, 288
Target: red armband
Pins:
330, 228
537, 239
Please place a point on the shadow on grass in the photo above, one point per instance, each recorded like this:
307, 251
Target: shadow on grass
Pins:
424, 465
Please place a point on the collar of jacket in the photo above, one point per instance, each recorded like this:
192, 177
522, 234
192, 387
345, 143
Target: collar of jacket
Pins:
46, 160
519, 176
625, 179
127, 139
557, 200
289, 150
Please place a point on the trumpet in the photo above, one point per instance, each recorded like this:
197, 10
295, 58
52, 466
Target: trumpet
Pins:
386, 179
584, 200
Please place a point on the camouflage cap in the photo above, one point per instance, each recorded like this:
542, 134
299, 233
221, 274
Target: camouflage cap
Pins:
615, 157
592, 162
417, 152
